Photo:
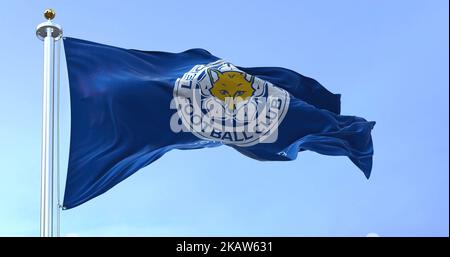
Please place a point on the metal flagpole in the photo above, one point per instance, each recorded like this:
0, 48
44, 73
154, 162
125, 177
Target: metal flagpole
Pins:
49, 33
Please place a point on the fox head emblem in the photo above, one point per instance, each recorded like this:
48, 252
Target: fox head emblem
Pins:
231, 87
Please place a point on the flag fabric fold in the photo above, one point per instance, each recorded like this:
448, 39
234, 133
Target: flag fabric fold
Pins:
130, 107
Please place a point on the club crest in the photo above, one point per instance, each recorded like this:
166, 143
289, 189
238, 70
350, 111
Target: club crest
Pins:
219, 102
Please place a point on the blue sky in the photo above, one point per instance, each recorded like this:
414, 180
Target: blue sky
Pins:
388, 59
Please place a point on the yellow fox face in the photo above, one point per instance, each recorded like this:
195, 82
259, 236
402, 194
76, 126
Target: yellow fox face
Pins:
231, 87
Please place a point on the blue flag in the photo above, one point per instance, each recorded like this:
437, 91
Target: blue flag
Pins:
129, 107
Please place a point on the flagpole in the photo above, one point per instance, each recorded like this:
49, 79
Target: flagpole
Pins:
49, 33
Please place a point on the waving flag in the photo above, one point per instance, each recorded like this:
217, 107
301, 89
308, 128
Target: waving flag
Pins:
129, 107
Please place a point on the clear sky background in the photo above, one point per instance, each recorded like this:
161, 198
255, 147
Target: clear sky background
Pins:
388, 59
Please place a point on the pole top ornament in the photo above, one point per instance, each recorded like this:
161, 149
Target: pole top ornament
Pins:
49, 14
42, 29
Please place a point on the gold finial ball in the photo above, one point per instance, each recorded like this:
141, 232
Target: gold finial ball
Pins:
49, 14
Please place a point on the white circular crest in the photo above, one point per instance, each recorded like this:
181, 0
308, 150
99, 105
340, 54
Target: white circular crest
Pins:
219, 102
